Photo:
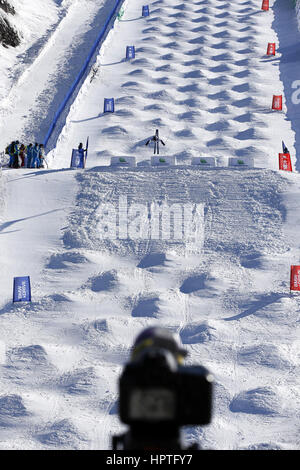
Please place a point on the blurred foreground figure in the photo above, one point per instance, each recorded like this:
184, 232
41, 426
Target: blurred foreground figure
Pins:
158, 394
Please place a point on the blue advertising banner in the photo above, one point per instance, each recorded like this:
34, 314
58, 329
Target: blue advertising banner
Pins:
22, 289
145, 10
109, 105
130, 52
77, 160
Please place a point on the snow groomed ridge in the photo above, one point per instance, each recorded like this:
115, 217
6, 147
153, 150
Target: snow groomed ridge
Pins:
202, 77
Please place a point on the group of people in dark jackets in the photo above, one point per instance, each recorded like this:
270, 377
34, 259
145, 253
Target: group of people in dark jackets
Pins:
30, 156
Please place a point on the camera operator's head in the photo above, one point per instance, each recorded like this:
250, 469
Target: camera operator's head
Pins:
158, 338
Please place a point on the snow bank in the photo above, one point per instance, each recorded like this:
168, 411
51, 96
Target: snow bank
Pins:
26, 24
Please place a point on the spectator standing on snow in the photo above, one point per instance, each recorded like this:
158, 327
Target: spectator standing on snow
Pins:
10, 150
41, 156
35, 156
29, 155
22, 155
81, 152
16, 163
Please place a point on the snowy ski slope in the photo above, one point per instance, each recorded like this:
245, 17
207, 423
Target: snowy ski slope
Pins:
202, 77
44, 73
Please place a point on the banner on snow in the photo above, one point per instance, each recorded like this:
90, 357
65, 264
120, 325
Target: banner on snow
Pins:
109, 105
204, 162
77, 160
285, 162
130, 52
163, 161
244, 162
22, 289
271, 50
277, 102
295, 278
123, 161
145, 10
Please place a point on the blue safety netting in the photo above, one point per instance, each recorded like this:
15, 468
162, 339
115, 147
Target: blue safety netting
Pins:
83, 70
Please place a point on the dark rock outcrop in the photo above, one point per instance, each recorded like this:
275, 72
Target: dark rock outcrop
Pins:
7, 7
8, 35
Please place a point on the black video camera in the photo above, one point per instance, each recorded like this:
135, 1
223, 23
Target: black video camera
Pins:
157, 396
156, 390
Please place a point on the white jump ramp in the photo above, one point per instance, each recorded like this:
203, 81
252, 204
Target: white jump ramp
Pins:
204, 162
231, 162
199, 162
157, 160
244, 162
123, 161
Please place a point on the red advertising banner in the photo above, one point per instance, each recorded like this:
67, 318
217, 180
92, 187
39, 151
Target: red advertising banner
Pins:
277, 102
295, 278
285, 162
271, 48
265, 5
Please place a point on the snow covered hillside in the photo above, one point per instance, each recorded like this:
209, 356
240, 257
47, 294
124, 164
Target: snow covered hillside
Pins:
32, 23
56, 37
99, 271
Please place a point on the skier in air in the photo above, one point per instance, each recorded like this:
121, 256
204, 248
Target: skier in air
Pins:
156, 141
